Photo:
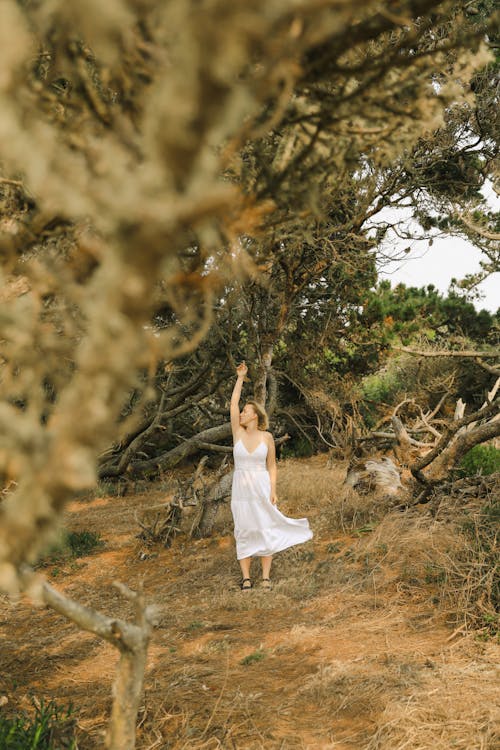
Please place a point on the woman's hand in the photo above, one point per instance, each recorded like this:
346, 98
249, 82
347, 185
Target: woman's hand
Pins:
274, 498
242, 370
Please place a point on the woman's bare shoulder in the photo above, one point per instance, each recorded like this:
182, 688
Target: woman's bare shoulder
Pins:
269, 436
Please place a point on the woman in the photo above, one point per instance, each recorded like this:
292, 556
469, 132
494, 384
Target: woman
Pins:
260, 529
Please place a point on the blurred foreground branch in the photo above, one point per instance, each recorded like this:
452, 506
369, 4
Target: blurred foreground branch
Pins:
131, 640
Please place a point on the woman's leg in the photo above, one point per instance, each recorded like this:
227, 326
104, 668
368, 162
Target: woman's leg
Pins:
266, 566
245, 569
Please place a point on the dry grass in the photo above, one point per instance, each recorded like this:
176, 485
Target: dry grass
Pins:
453, 558
407, 548
349, 650
315, 488
305, 485
349, 689
472, 593
352, 511
455, 707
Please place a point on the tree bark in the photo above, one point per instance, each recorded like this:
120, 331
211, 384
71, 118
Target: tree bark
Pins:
487, 367
131, 640
219, 493
449, 458
260, 388
272, 393
133, 443
449, 452
403, 445
444, 353
184, 450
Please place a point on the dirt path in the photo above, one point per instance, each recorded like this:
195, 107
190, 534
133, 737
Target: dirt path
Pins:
326, 660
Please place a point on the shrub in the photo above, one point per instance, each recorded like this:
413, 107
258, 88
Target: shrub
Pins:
50, 728
254, 657
298, 447
82, 543
72, 544
379, 388
481, 459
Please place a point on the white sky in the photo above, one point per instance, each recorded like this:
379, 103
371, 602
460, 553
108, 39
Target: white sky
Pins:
447, 258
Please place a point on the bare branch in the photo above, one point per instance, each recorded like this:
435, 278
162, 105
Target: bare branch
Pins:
447, 353
130, 639
487, 367
478, 229
484, 413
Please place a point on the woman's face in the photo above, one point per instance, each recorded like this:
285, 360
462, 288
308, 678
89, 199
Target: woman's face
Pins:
247, 415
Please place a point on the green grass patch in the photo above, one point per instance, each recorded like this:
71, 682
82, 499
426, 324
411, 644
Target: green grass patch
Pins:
81, 543
333, 547
72, 545
298, 447
366, 529
253, 658
51, 727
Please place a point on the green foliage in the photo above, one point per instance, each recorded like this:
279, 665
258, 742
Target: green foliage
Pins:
481, 459
381, 386
298, 447
379, 389
457, 175
81, 543
333, 547
50, 728
366, 529
253, 658
72, 544
403, 311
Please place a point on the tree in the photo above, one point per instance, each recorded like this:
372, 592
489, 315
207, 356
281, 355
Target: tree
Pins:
450, 317
313, 260
154, 153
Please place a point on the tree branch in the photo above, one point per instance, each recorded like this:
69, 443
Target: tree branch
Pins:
445, 353
487, 367
131, 639
491, 410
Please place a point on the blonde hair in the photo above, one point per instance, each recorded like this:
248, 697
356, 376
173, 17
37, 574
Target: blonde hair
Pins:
262, 418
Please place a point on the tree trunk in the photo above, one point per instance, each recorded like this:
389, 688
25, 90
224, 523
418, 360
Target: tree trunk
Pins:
136, 441
452, 446
260, 388
403, 447
220, 493
272, 393
450, 457
188, 448
127, 692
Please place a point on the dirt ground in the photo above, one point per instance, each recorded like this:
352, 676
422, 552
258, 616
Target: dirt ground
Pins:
349, 649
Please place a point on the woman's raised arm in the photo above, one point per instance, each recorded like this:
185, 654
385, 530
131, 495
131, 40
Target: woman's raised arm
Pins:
241, 371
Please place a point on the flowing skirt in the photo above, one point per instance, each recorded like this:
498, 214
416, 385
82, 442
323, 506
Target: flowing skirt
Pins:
260, 529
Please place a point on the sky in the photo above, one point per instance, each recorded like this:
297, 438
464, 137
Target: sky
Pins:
447, 258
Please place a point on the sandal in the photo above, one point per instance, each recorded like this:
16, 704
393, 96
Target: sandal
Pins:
248, 587
266, 584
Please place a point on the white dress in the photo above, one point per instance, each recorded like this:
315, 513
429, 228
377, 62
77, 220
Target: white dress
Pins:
260, 529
